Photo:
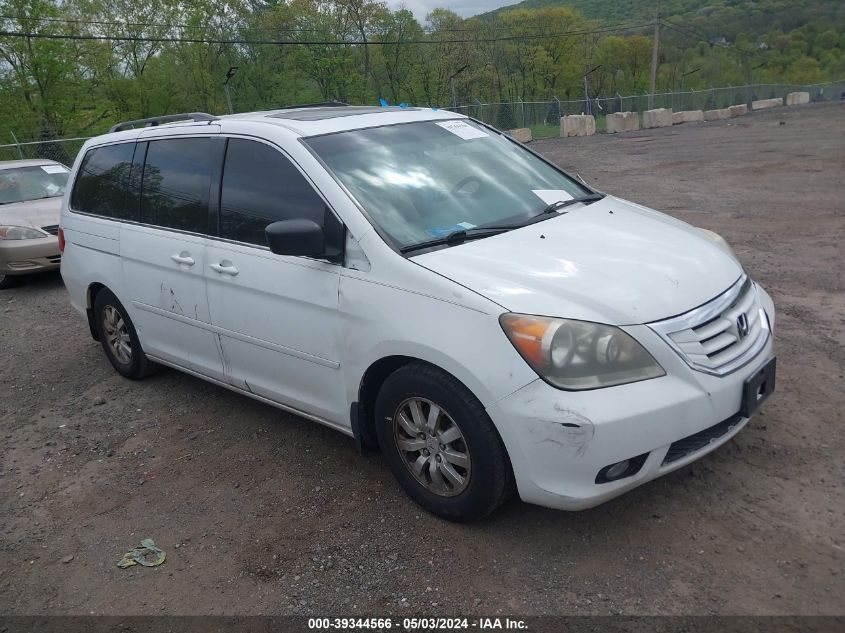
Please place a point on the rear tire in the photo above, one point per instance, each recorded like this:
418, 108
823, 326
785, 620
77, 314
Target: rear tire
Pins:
441, 445
119, 338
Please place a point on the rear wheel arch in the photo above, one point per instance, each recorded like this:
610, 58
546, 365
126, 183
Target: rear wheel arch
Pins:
118, 337
91, 297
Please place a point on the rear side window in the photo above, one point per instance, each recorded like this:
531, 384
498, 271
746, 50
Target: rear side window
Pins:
175, 183
102, 181
261, 186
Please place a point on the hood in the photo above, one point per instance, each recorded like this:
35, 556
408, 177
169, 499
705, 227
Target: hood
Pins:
612, 261
37, 213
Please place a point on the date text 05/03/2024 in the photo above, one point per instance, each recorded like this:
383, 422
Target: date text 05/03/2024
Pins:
417, 624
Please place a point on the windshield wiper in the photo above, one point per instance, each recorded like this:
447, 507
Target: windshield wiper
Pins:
457, 237
464, 235
556, 206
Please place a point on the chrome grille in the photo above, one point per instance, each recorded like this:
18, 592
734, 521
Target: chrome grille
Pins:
723, 334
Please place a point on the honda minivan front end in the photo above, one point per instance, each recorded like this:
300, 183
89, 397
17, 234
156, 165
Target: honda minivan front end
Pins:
650, 344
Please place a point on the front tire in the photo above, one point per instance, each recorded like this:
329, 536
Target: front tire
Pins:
7, 281
118, 337
441, 445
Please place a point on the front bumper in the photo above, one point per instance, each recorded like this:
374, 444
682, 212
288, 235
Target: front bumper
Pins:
558, 441
20, 257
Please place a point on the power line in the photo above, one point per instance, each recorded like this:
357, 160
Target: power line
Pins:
57, 20
340, 42
698, 34
53, 20
685, 31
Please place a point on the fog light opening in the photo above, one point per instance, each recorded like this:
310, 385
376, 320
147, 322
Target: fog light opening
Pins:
621, 469
617, 469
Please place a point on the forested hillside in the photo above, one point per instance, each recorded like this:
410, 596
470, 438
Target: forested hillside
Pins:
619, 10
73, 67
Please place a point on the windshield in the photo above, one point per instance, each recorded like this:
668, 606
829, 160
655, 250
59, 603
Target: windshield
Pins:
426, 180
20, 184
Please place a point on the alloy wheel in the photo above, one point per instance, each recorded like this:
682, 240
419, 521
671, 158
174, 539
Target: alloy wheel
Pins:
117, 334
432, 446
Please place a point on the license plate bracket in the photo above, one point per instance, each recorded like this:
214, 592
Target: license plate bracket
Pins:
758, 388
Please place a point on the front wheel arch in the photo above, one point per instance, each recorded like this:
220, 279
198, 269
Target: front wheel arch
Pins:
363, 411
492, 481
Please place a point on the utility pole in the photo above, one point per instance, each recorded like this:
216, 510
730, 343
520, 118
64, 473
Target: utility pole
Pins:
452, 85
587, 103
231, 73
587, 107
654, 57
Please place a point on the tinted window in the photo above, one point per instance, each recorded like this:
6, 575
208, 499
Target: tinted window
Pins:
102, 181
261, 186
174, 186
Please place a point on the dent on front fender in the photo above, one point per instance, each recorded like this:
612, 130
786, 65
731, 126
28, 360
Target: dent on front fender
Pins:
572, 431
554, 423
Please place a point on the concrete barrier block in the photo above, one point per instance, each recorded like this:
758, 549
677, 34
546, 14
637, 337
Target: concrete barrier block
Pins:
716, 115
738, 110
687, 116
797, 98
521, 134
764, 104
623, 122
577, 125
660, 117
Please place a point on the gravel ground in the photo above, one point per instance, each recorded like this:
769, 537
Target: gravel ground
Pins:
261, 512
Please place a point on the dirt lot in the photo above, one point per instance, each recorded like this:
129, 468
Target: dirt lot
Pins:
263, 512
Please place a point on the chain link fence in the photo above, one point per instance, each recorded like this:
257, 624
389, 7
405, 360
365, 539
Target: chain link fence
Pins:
60, 150
543, 117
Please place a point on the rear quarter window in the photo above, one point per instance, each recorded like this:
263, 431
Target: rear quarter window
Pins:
102, 182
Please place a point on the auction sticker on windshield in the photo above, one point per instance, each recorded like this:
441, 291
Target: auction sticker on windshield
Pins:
550, 196
54, 169
464, 130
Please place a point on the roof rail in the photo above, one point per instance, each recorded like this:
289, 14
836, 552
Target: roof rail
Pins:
324, 104
158, 120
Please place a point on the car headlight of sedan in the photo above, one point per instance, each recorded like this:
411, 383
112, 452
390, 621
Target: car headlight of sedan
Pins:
20, 233
578, 355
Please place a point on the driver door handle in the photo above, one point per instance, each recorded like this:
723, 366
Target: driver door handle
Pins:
224, 268
183, 258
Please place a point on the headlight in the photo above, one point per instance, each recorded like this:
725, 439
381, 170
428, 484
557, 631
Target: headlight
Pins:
719, 241
576, 355
20, 233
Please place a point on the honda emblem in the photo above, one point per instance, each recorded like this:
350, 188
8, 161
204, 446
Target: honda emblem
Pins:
742, 326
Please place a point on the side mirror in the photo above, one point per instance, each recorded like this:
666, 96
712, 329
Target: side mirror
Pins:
296, 237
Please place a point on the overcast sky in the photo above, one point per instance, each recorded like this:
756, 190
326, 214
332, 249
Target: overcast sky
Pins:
464, 8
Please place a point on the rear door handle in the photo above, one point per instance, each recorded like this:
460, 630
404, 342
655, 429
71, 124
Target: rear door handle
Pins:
184, 258
224, 268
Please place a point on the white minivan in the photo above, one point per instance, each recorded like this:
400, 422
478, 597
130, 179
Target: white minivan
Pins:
425, 284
